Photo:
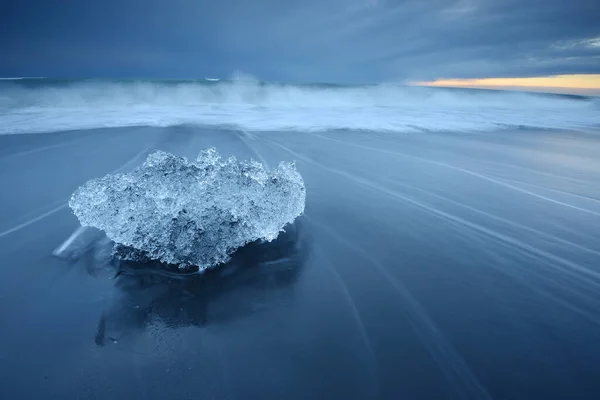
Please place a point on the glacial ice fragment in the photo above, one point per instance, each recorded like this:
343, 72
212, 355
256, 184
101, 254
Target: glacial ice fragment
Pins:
191, 213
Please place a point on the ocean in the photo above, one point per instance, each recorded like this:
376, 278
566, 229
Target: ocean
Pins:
42, 105
449, 247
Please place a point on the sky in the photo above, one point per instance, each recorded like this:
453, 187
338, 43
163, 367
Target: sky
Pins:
585, 84
338, 41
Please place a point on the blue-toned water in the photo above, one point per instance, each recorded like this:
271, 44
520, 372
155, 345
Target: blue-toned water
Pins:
449, 249
40, 105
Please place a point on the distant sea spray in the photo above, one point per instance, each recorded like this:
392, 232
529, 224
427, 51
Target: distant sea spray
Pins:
45, 105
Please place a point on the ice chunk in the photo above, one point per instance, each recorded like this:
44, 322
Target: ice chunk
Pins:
191, 213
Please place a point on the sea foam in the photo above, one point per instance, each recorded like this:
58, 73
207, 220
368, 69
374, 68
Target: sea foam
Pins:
38, 106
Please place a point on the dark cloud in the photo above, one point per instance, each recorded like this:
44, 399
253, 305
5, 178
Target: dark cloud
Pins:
309, 40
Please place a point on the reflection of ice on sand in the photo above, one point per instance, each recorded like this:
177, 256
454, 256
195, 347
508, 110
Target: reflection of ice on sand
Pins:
258, 276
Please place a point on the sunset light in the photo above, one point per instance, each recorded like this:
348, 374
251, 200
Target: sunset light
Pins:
580, 84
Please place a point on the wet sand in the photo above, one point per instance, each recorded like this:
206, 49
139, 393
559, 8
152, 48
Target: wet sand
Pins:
433, 265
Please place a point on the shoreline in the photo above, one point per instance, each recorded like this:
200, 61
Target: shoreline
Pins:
430, 264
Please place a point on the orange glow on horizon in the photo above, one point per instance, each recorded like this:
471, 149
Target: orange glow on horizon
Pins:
583, 82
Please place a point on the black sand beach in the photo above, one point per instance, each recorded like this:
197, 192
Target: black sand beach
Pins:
426, 266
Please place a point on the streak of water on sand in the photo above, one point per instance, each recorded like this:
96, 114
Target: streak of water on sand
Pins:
39, 149
347, 295
584, 282
60, 249
359, 324
32, 220
500, 219
593, 276
345, 291
64, 205
568, 267
530, 280
466, 171
449, 361
243, 137
562, 192
502, 165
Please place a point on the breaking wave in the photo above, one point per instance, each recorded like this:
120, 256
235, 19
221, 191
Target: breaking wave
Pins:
43, 105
